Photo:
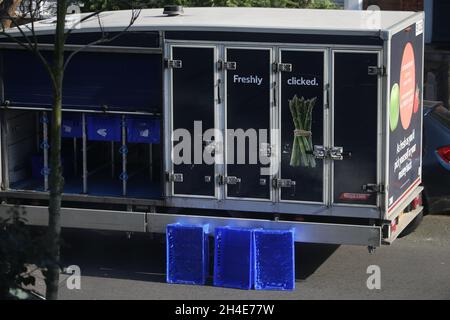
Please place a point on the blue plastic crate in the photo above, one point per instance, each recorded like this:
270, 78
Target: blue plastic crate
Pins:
143, 130
233, 258
104, 127
187, 254
72, 125
274, 260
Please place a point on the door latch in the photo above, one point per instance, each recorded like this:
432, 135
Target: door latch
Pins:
212, 147
282, 67
373, 188
283, 183
227, 65
229, 180
265, 150
176, 177
320, 152
336, 153
174, 64
376, 71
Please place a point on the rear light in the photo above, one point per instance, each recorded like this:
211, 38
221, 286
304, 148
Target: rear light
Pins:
444, 153
394, 225
417, 202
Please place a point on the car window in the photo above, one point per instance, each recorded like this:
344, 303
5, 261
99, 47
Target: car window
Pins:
442, 114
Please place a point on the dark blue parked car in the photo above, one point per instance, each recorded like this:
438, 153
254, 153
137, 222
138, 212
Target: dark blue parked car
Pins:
436, 158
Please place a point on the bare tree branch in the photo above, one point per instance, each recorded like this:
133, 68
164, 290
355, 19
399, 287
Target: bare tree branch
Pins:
33, 43
32, 47
24, 41
89, 16
22, 33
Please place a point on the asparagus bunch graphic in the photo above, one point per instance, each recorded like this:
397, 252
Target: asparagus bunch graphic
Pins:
302, 149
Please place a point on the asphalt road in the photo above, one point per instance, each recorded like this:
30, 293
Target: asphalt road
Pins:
416, 267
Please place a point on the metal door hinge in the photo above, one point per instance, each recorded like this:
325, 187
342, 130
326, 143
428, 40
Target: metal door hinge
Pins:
229, 180
175, 177
227, 65
377, 71
373, 188
174, 64
282, 67
283, 183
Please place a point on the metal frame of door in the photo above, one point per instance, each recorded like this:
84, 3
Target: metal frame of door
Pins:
379, 133
326, 120
272, 113
169, 115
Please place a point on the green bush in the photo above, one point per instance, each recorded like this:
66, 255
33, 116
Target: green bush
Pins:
18, 249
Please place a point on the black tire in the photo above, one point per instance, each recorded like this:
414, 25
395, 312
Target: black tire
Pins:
412, 226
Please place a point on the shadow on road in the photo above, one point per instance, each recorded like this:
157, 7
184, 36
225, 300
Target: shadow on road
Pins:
114, 255
309, 257
143, 258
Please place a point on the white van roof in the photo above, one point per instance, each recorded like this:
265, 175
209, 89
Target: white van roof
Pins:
248, 20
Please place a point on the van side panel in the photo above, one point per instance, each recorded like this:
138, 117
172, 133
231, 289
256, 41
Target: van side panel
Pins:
405, 114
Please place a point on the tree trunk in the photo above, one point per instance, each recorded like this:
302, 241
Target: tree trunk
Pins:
56, 181
8, 11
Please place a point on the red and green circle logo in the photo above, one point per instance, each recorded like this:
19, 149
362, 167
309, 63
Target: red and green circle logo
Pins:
417, 99
394, 107
407, 86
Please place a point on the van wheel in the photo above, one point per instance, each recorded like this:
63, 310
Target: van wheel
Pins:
412, 226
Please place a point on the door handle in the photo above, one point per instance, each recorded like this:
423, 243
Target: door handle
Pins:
327, 96
219, 95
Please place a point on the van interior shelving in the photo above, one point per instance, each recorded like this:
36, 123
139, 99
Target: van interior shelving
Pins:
118, 166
